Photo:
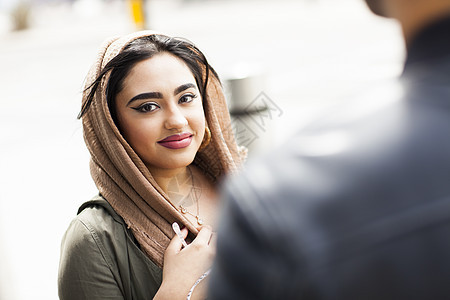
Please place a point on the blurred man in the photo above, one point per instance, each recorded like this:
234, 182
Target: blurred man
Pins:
356, 206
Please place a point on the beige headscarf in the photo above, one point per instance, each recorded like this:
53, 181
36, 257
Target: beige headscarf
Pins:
122, 177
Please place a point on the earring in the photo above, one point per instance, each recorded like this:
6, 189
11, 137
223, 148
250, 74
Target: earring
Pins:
206, 139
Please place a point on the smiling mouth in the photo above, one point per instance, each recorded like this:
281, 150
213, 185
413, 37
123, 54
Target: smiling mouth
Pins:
177, 141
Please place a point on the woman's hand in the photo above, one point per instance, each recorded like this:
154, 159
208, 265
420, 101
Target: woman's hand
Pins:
184, 266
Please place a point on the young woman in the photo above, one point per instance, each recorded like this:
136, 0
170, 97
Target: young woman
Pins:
157, 126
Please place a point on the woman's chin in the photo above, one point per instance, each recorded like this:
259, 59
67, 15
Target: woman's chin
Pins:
176, 163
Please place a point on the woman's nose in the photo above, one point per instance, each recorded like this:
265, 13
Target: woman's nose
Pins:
175, 119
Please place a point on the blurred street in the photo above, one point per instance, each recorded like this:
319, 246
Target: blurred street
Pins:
315, 55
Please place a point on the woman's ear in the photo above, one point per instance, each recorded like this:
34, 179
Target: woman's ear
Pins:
206, 138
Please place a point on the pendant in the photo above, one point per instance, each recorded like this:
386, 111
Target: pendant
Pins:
185, 211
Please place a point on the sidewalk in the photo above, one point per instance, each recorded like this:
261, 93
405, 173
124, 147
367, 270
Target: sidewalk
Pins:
315, 54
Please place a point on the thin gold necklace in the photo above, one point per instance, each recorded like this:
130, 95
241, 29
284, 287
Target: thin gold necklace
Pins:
184, 209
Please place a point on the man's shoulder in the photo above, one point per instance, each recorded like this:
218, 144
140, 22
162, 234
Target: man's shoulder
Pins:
376, 160
387, 131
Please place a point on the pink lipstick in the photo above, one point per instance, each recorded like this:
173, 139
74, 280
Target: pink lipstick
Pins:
177, 141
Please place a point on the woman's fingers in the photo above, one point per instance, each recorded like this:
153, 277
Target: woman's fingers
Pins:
176, 242
213, 242
204, 235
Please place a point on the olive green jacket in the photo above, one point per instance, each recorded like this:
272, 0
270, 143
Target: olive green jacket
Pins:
100, 258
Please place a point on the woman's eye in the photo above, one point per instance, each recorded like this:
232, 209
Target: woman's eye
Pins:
187, 98
146, 107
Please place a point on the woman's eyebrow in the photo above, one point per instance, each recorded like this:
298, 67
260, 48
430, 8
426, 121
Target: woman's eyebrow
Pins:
150, 95
183, 87
157, 95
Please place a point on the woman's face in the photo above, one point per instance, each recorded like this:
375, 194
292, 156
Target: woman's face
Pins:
160, 112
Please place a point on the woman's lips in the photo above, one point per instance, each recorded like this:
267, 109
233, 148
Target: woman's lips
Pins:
177, 141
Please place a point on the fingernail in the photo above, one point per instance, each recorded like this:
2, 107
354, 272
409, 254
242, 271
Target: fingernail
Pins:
175, 227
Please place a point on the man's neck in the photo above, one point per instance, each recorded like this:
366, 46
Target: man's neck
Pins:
417, 15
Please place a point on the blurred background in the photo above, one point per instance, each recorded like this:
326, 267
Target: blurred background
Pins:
282, 63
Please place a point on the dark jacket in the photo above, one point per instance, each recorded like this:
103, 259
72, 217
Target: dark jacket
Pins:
100, 259
357, 206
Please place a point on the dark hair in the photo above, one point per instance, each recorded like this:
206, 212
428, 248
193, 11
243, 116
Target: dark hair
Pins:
139, 50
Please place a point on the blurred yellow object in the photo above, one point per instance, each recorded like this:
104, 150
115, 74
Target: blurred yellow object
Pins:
21, 15
137, 11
